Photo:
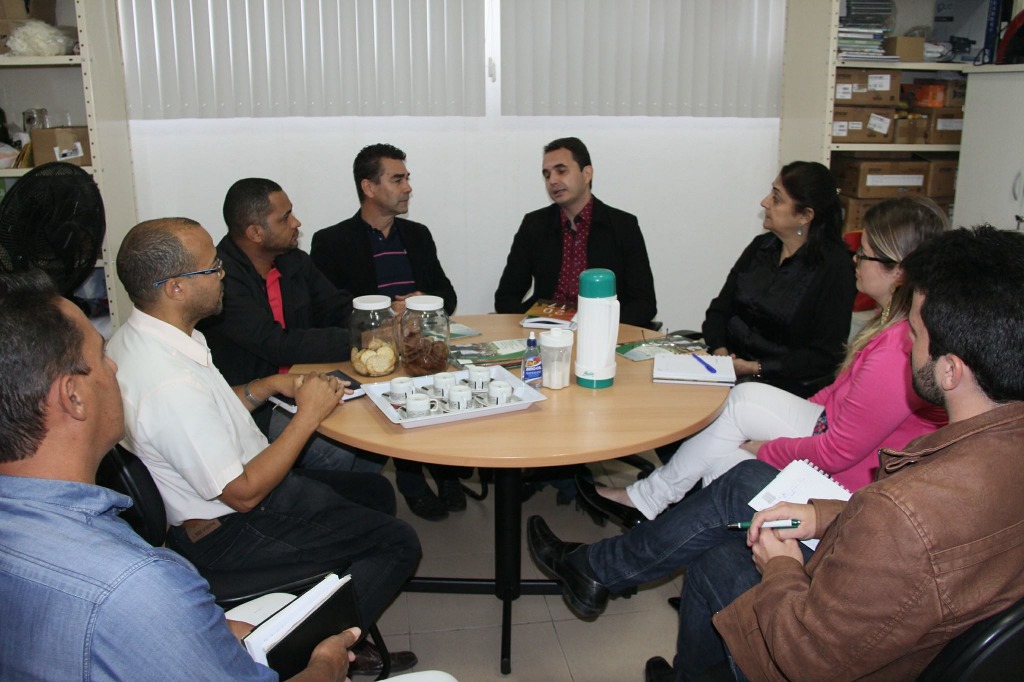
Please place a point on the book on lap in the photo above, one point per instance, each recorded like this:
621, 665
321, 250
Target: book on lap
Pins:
799, 482
286, 637
694, 369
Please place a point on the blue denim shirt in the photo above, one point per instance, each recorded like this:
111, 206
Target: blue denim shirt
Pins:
82, 597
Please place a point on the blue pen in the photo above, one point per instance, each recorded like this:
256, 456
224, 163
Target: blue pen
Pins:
705, 363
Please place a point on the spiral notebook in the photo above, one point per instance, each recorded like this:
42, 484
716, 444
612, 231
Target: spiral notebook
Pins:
799, 482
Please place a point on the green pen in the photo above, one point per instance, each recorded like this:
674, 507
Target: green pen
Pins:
784, 523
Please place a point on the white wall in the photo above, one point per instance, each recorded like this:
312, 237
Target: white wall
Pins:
694, 183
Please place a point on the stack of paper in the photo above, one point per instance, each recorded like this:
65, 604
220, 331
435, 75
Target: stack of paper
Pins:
701, 370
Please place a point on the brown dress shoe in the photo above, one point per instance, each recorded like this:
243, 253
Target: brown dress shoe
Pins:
368, 660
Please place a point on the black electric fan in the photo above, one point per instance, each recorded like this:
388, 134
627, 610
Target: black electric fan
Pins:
53, 219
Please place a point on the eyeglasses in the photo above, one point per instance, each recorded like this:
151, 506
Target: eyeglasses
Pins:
860, 256
218, 267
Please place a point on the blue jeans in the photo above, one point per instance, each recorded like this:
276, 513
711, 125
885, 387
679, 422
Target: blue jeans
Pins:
692, 534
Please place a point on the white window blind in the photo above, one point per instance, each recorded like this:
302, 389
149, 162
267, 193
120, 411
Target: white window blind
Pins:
641, 57
250, 58
244, 58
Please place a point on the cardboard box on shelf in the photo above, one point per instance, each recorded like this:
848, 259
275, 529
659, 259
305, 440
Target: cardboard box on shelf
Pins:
908, 49
942, 168
43, 10
930, 92
61, 144
862, 124
854, 210
859, 87
13, 15
879, 178
910, 130
945, 125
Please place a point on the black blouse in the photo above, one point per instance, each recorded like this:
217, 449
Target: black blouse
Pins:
794, 318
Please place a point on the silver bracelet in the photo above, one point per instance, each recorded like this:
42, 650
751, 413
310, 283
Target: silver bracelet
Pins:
249, 396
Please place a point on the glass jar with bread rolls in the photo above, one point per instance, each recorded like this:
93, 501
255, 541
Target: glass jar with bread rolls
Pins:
373, 331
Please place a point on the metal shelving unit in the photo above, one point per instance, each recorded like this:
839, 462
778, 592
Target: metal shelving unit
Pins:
809, 84
88, 86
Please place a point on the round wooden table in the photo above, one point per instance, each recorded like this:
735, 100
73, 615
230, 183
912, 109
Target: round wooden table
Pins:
574, 425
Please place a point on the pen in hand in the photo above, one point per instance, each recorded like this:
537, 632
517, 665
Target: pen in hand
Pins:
783, 523
704, 362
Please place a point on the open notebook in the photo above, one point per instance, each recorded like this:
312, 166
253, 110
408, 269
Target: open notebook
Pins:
799, 482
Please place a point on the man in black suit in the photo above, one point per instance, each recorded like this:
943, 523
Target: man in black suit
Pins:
376, 252
578, 231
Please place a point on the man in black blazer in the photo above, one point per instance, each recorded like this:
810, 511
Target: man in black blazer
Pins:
376, 252
576, 232
278, 310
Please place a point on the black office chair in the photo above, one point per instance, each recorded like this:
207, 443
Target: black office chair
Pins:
125, 473
991, 649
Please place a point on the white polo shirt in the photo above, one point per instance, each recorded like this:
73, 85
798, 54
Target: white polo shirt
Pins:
181, 417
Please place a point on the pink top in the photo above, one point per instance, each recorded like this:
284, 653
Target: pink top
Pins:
869, 406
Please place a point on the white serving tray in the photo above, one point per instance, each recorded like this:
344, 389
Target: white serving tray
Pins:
522, 397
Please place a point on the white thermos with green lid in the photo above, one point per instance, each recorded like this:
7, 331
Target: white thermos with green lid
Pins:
597, 328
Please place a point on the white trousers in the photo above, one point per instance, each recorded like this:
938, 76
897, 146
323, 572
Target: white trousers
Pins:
753, 411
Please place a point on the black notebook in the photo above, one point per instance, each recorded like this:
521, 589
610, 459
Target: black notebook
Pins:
285, 640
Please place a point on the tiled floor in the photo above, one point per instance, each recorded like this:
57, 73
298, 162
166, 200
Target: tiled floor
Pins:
460, 634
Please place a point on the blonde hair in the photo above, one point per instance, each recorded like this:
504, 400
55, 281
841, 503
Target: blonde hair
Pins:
894, 228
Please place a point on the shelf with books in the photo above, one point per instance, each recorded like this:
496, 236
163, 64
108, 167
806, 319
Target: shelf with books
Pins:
822, 121
903, 66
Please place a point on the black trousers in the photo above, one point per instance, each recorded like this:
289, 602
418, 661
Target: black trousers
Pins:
339, 521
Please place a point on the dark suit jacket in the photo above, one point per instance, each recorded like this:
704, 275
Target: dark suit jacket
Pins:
615, 243
245, 340
342, 252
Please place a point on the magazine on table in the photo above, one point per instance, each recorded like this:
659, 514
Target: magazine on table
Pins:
506, 353
550, 315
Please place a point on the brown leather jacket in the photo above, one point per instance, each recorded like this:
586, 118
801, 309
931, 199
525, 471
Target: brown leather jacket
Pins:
911, 561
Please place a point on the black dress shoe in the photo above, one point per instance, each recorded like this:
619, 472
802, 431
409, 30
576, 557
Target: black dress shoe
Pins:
369, 662
561, 560
451, 494
627, 517
658, 670
427, 506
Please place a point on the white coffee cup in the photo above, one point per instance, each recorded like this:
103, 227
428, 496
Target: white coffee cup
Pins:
419, 405
499, 392
400, 389
443, 382
479, 377
460, 397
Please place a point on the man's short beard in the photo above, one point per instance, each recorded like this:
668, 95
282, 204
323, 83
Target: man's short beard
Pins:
925, 384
